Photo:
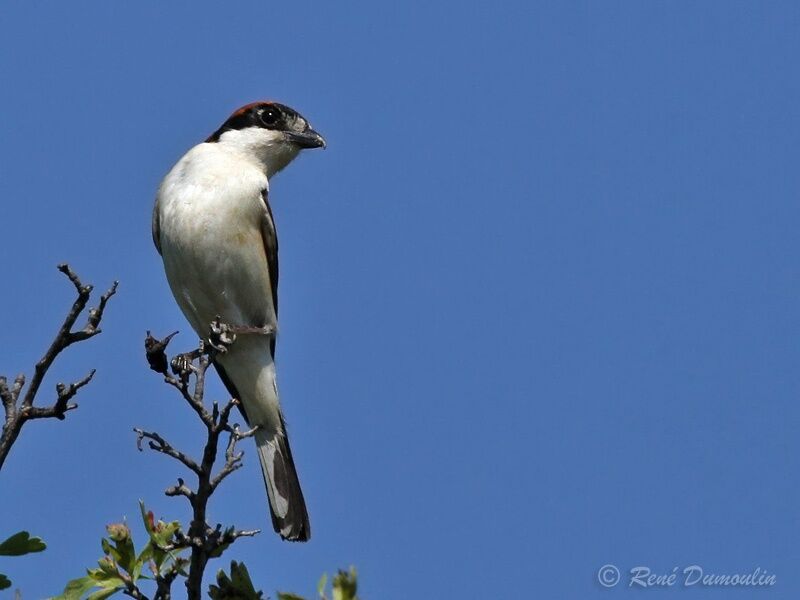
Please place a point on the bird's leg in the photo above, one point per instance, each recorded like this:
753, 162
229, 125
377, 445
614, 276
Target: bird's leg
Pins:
245, 329
222, 335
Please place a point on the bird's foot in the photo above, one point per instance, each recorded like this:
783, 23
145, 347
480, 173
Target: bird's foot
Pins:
221, 336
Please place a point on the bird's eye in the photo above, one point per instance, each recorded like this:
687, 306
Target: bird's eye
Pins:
270, 116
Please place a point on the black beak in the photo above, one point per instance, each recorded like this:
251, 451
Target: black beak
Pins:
306, 139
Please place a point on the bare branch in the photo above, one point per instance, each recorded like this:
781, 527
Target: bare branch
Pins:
131, 589
18, 413
19, 381
96, 314
188, 377
164, 581
180, 490
159, 444
219, 537
233, 459
7, 396
65, 394
226, 410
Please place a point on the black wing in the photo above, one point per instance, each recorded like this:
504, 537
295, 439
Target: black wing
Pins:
270, 236
156, 229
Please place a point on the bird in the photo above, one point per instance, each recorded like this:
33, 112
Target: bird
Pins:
215, 231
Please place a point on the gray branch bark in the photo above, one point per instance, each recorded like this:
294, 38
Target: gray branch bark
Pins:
188, 373
19, 411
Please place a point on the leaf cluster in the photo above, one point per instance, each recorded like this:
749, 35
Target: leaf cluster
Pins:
343, 587
19, 544
120, 569
239, 586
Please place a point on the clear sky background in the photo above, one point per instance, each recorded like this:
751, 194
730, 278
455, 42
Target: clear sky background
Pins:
540, 297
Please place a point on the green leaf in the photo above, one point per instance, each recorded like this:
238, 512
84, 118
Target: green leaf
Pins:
107, 548
161, 534
146, 553
21, 543
345, 585
289, 596
5, 582
107, 570
236, 587
136, 573
111, 583
76, 588
323, 581
164, 532
102, 594
147, 518
121, 562
241, 580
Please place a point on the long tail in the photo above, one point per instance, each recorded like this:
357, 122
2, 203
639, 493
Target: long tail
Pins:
286, 503
249, 364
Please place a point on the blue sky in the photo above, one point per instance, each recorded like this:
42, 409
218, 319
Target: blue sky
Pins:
539, 296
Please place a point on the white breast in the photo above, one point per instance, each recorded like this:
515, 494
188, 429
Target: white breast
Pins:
210, 210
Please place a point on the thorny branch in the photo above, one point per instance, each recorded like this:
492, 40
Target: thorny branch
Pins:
19, 411
188, 372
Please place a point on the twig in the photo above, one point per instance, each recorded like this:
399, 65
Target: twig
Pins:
159, 444
131, 589
205, 542
164, 582
233, 459
18, 412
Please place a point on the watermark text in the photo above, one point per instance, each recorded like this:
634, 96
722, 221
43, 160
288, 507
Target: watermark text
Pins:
690, 576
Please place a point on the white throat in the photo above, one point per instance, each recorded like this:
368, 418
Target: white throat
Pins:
265, 148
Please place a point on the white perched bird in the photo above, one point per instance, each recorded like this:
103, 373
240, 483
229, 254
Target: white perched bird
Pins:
213, 227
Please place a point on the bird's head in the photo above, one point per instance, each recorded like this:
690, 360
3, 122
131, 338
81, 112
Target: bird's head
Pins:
270, 133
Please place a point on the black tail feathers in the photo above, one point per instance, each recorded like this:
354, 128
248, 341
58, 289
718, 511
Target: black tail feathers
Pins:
286, 503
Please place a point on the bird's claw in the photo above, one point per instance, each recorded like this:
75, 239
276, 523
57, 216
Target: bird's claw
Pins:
221, 336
